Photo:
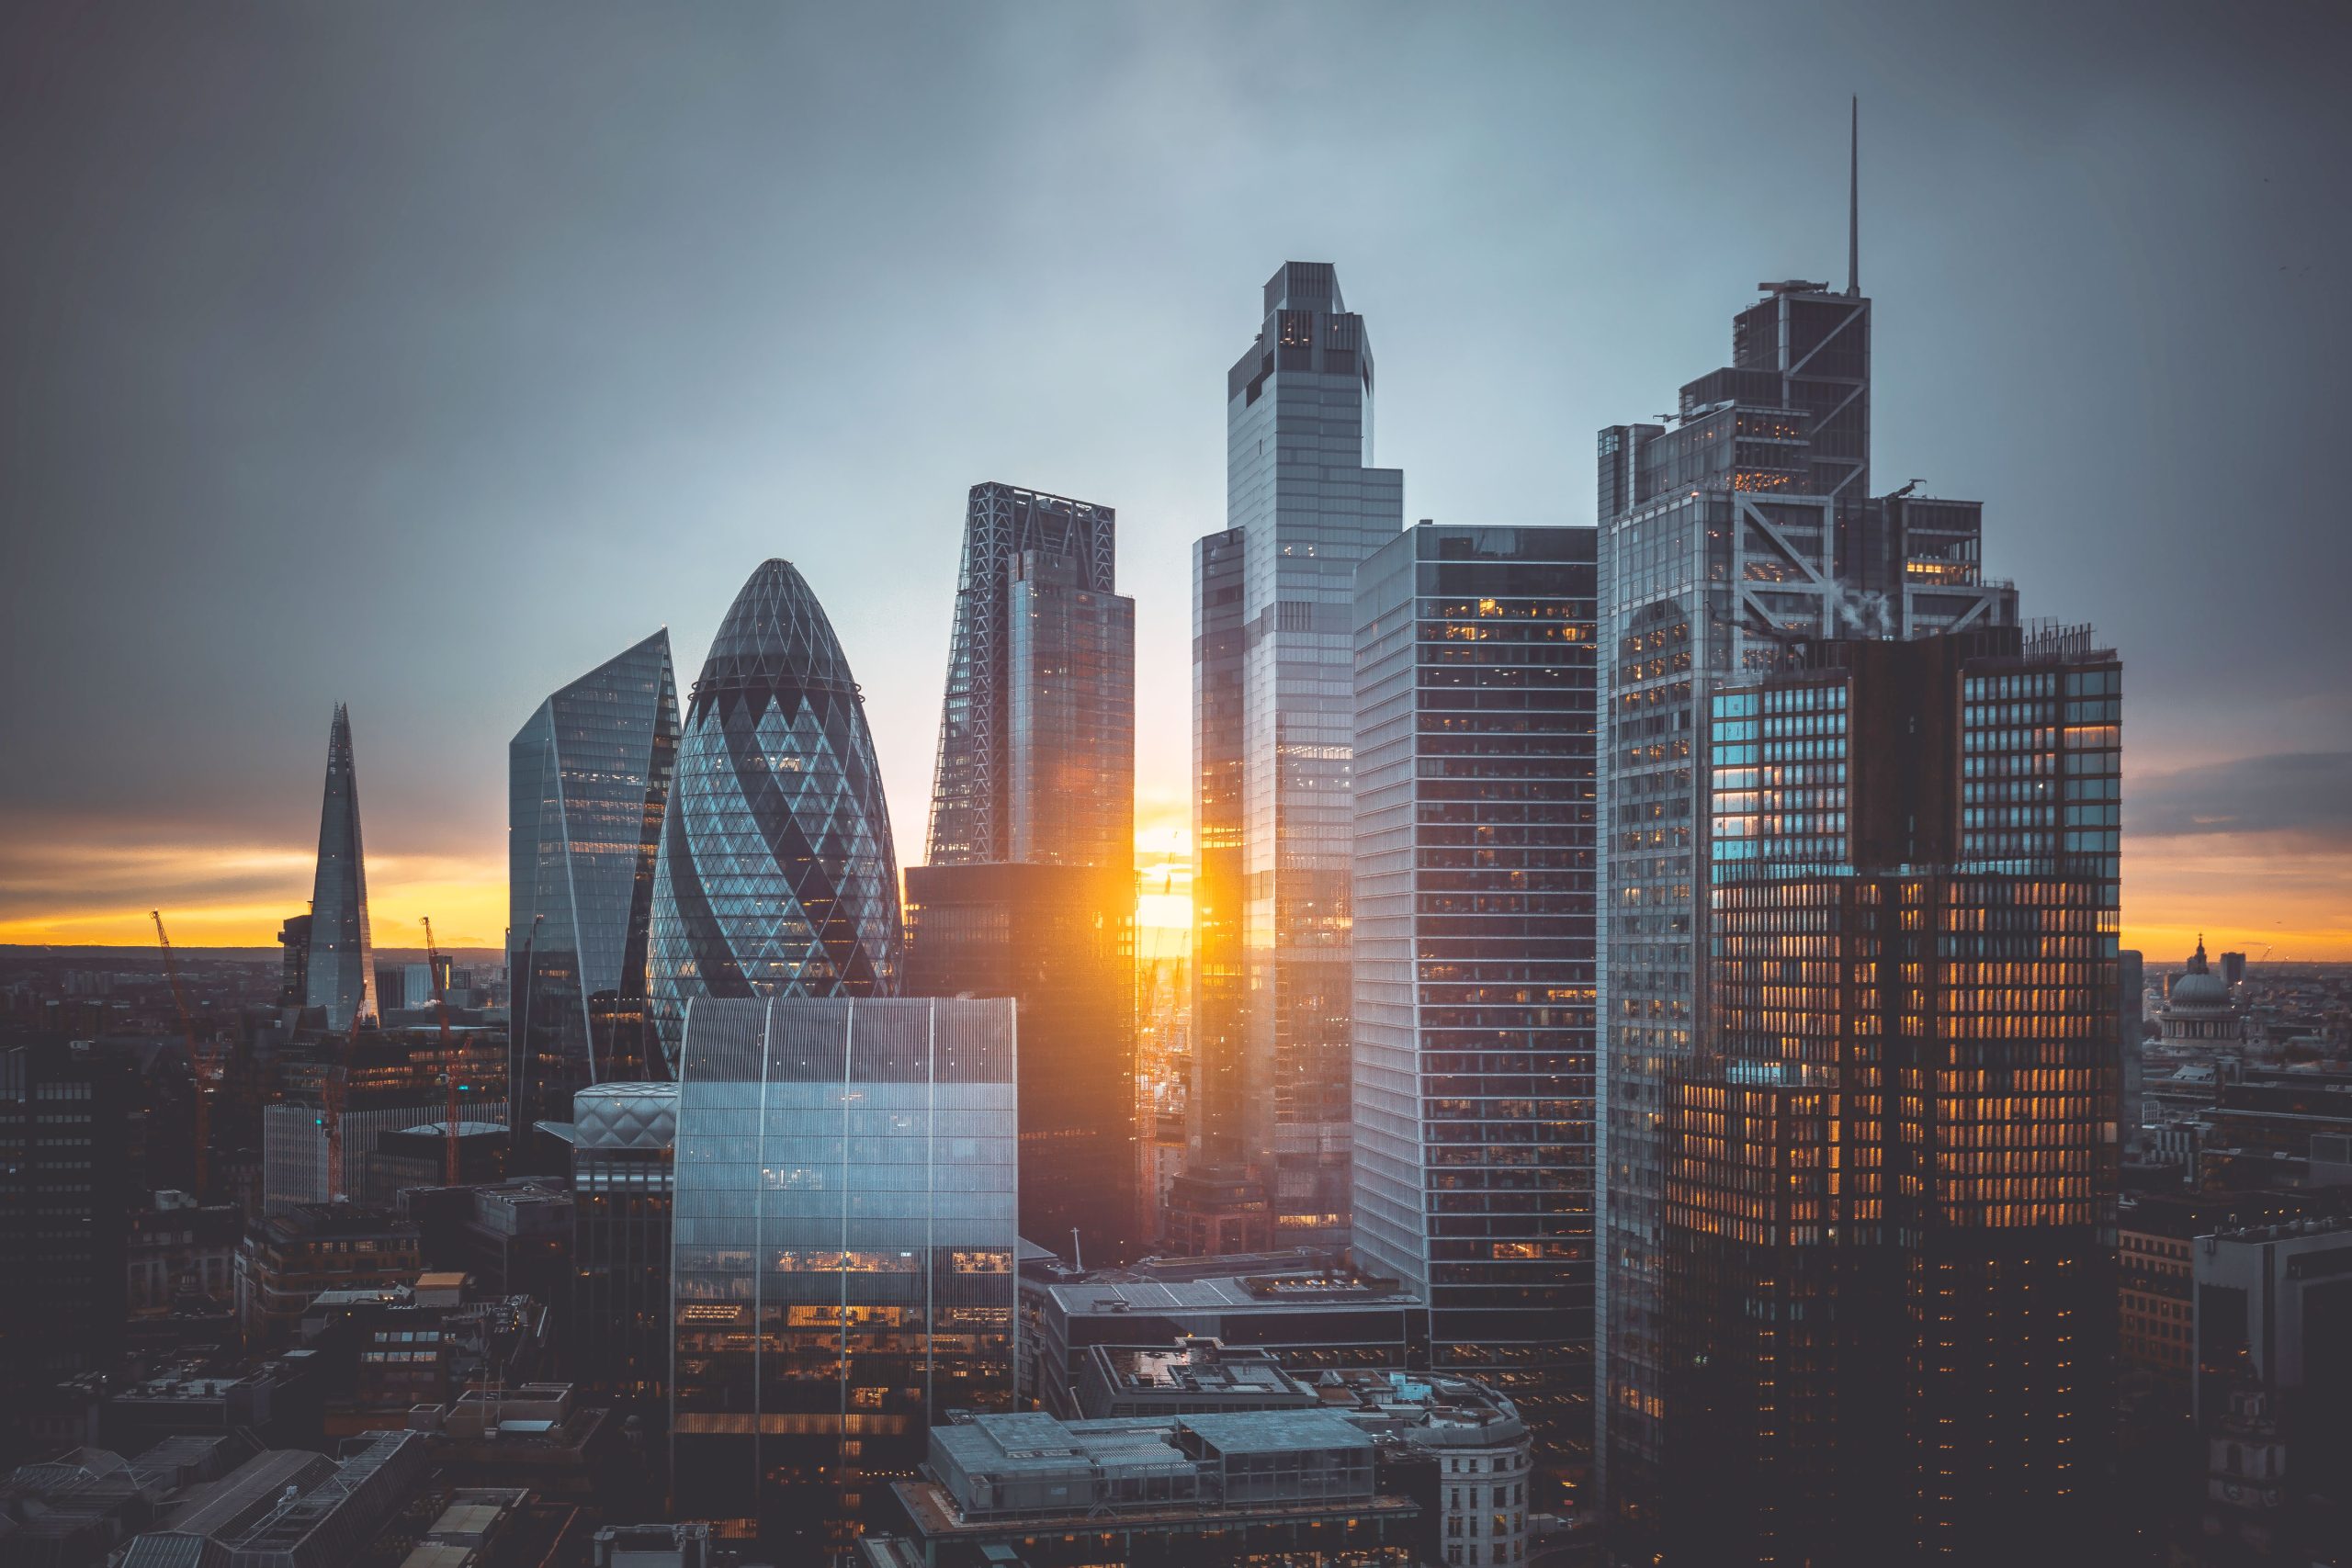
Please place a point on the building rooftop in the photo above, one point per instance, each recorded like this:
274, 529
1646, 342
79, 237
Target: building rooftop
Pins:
1226, 1292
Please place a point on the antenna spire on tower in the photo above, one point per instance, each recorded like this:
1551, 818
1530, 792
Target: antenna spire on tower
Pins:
1854, 202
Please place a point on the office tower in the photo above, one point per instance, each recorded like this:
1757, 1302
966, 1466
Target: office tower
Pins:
843, 1249
1036, 734
1891, 1162
1030, 890
65, 1215
1059, 940
624, 1143
2234, 969
1475, 953
587, 780
1730, 536
340, 974
775, 875
1274, 723
294, 936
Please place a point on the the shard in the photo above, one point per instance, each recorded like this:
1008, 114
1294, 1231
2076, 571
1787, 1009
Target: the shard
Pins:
588, 780
775, 876
341, 968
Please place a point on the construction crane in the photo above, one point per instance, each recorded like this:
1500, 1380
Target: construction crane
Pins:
201, 1055
449, 1163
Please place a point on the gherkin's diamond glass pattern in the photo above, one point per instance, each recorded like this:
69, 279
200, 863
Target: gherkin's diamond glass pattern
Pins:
775, 875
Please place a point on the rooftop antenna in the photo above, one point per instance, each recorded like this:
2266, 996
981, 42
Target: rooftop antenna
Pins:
1854, 202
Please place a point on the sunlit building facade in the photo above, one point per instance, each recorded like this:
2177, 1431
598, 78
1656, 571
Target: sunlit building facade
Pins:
775, 876
1891, 1165
340, 972
588, 780
1059, 940
845, 1231
1730, 536
1274, 729
1474, 1095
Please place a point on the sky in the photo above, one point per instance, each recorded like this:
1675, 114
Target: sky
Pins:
424, 356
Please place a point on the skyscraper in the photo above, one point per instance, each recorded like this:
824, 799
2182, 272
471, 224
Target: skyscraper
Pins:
1725, 542
1891, 1162
1273, 725
1030, 890
588, 780
775, 875
1474, 1102
340, 974
1059, 940
843, 1253
1036, 734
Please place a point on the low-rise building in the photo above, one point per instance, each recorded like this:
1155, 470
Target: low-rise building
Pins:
288, 1258
178, 1251
1312, 1319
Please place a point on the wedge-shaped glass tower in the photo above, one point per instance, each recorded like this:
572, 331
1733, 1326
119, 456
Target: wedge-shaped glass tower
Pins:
340, 975
775, 876
588, 780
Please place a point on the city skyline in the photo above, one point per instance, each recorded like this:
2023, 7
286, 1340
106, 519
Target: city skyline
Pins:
709, 424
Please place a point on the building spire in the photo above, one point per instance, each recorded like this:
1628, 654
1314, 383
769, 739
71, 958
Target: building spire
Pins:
1854, 202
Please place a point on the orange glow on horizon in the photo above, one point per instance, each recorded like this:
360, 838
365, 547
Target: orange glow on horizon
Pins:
2243, 892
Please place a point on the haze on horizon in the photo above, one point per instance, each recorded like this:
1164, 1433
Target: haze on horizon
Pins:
422, 358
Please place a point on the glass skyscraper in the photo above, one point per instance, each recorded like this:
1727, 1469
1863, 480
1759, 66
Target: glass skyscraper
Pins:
1273, 723
844, 1255
1891, 1165
1731, 539
1031, 891
1060, 940
775, 876
1473, 1100
1036, 734
340, 974
588, 780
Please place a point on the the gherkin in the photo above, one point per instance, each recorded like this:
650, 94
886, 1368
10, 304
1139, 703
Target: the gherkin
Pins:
775, 875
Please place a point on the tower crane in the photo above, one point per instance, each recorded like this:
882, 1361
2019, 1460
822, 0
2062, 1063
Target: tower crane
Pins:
202, 1057
449, 1163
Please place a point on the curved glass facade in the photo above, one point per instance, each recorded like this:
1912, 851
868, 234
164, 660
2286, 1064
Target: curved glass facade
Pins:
775, 876
588, 781
843, 1249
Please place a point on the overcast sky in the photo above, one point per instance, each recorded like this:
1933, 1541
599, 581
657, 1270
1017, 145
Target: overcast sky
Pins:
422, 356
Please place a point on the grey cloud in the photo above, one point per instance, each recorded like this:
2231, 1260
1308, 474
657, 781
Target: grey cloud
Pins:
2304, 793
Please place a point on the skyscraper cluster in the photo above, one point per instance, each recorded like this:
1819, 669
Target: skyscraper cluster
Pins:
1676, 956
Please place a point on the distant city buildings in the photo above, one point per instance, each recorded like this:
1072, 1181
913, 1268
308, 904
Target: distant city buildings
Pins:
588, 784
843, 1254
1475, 953
1273, 694
339, 971
775, 876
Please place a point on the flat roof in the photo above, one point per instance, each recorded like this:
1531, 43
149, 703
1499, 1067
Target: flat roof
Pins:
1264, 1293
